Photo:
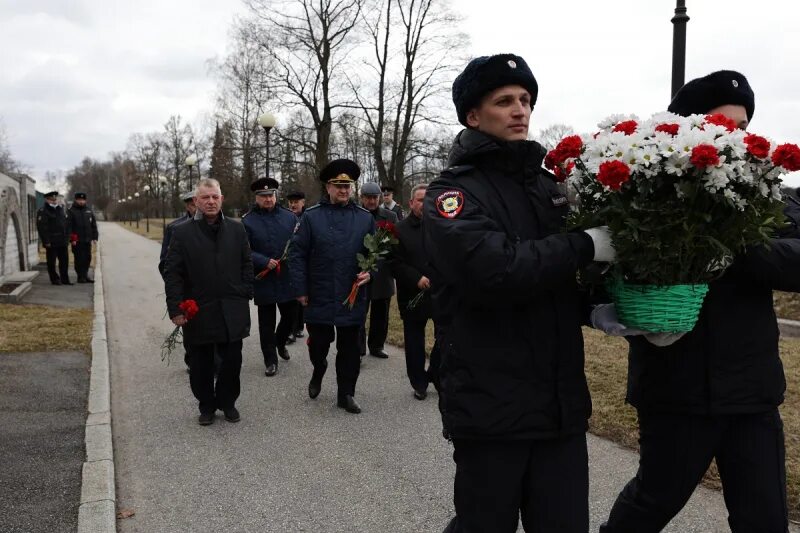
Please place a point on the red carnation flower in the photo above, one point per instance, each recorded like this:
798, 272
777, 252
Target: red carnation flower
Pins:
613, 174
627, 127
189, 308
562, 173
551, 161
718, 119
569, 147
388, 227
704, 155
757, 145
672, 129
787, 156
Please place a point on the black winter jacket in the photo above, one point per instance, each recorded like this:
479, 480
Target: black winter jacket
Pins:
52, 224
212, 265
408, 262
512, 357
83, 223
729, 363
162, 261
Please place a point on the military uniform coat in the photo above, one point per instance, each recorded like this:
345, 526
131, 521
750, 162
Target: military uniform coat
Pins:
512, 357
212, 265
52, 224
268, 233
323, 265
83, 223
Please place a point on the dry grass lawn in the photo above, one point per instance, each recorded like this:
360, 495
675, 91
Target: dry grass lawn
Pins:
156, 228
787, 305
612, 418
38, 328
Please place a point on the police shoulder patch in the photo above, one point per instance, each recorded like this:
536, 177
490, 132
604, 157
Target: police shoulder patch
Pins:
450, 203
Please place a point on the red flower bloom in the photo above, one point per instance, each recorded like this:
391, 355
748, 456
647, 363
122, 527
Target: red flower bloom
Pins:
627, 127
569, 147
757, 145
388, 227
718, 119
551, 161
704, 155
561, 173
189, 308
672, 129
613, 174
787, 156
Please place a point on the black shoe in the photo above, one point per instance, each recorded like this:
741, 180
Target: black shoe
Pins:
271, 369
56, 282
232, 414
348, 404
380, 354
420, 394
284, 353
299, 334
205, 419
314, 388
67, 283
81, 280
290, 339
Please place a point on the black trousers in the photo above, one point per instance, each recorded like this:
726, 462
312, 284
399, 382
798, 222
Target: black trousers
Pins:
546, 481
414, 340
61, 253
223, 395
675, 452
378, 326
320, 337
299, 319
269, 336
83, 258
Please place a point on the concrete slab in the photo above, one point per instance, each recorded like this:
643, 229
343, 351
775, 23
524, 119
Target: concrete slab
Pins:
98, 443
43, 293
18, 277
16, 295
97, 517
98, 482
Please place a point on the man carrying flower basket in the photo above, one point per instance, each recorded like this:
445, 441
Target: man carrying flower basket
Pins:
712, 390
325, 273
514, 397
209, 263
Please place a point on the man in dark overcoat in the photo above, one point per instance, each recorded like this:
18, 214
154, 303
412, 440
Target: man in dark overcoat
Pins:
83, 232
209, 262
188, 200
323, 268
381, 289
714, 393
408, 263
52, 225
269, 229
514, 397
389, 202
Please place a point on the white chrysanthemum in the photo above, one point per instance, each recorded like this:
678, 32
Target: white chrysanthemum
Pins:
716, 178
647, 155
695, 121
676, 165
679, 190
612, 120
763, 189
775, 191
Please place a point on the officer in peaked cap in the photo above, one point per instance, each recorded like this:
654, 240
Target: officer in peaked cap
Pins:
390, 204
323, 268
514, 395
83, 232
270, 227
714, 392
54, 232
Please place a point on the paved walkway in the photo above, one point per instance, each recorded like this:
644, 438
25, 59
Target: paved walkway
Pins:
292, 463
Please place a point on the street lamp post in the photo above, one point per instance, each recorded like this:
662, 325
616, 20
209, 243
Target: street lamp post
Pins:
138, 214
679, 46
146, 205
130, 213
190, 162
266, 121
162, 181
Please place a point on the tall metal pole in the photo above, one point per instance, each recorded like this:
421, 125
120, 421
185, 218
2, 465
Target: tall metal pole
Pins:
266, 159
147, 211
679, 46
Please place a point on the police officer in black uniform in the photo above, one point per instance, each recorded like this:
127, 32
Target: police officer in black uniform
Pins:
514, 397
323, 268
715, 392
53, 227
390, 204
297, 205
381, 288
83, 227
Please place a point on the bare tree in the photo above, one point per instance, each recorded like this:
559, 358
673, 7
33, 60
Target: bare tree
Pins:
416, 50
551, 135
307, 43
7, 162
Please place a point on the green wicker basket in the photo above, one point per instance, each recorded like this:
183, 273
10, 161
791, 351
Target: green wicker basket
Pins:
658, 308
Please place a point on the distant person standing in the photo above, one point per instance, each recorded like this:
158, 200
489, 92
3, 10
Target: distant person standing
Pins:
209, 261
390, 204
323, 267
269, 227
83, 228
297, 205
381, 289
53, 227
188, 200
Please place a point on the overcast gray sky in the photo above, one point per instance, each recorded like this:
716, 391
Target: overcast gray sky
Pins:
77, 77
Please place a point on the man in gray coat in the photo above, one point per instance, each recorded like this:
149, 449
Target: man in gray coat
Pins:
380, 291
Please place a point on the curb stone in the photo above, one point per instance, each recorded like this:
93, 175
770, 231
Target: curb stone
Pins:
97, 511
789, 328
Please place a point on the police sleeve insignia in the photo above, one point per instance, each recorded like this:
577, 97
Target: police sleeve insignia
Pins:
450, 203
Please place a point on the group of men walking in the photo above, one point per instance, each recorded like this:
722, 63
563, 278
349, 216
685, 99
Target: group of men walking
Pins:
485, 254
59, 228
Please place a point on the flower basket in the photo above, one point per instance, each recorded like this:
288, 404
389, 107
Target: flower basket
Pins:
658, 308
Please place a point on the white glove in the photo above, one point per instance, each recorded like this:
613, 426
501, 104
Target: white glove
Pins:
663, 339
603, 249
604, 317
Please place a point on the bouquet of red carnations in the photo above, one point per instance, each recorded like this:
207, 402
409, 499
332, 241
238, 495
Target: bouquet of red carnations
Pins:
378, 245
190, 309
